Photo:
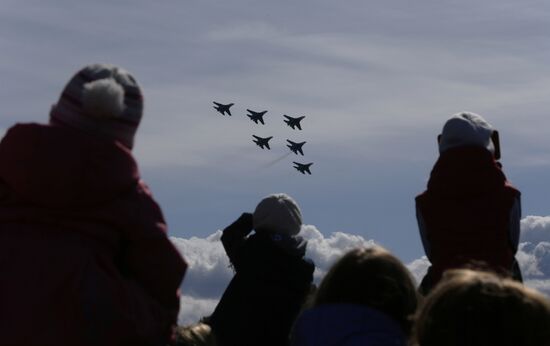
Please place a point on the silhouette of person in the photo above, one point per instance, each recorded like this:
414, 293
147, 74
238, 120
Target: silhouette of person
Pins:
272, 277
368, 297
478, 308
470, 213
83, 245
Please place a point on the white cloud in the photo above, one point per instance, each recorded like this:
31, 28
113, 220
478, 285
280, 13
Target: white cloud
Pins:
535, 229
209, 271
534, 260
418, 268
193, 309
325, 251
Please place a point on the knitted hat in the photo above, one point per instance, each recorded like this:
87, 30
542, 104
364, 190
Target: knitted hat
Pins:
278, 213
102, 100
466, 129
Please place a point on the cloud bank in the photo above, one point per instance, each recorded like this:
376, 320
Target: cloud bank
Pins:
209, 270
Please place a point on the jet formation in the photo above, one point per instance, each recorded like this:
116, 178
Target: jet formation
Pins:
256, 116
263, 143
303, 167
223, 108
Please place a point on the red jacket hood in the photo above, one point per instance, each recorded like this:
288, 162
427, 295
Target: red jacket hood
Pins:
60, 167
466, 172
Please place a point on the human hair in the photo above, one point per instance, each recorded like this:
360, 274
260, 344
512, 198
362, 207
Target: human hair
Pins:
199, 334
373, 277
471, 308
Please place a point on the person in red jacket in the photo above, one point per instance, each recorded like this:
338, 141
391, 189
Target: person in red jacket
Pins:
470, 213
84, 253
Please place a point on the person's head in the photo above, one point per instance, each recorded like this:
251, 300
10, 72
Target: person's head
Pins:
277, 213
468, 129
102, 100
199, 334
373, 277
470, 308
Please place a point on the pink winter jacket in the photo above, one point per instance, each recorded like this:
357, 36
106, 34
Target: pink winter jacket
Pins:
84, 255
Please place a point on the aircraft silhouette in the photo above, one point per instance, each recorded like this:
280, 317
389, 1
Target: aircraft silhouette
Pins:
303, 167
292, 122
295, 147
262, 142
256, 116
223, 108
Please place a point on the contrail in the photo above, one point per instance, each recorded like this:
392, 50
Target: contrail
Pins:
270, 164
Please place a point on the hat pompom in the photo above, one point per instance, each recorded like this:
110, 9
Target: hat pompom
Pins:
103, 98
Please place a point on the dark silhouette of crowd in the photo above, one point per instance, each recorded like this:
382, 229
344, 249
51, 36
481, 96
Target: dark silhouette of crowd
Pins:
85, 257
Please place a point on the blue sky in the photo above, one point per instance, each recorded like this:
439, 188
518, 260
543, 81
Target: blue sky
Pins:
376, 80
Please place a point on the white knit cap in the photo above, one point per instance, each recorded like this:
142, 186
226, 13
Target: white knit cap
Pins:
278, 213
466, 129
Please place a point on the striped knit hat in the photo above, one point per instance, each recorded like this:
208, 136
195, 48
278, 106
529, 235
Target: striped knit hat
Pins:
102, 100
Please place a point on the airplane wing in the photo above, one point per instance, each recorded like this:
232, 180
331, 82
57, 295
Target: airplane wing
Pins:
262, 121
301, 152
267, 145
298, 125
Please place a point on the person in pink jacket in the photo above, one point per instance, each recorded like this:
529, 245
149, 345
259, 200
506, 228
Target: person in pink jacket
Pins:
84, 253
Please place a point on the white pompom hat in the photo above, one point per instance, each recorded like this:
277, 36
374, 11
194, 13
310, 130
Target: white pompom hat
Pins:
278, 213
466, 129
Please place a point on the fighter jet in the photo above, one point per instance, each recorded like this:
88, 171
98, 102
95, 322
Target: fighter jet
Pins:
262, 142
295, 147
223, 108
256, 116
303, 167
292, 122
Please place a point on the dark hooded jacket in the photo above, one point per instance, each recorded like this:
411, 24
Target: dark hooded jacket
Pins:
469, 215
84, 255
271, 282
